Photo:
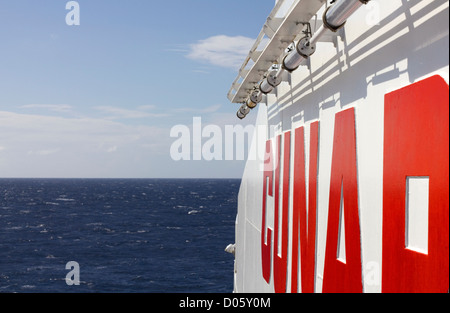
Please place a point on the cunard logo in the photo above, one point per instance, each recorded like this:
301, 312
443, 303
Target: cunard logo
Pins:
415, 202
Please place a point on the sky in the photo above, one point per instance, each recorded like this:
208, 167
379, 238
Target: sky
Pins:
100, 99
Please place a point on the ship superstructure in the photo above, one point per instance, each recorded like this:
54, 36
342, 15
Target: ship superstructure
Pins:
348, 190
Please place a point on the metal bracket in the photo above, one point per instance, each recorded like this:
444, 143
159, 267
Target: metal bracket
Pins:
331, 36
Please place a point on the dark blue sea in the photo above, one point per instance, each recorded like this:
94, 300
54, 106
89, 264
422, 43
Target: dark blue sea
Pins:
126, 235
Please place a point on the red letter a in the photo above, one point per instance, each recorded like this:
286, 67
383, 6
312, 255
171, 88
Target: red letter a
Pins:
342, 276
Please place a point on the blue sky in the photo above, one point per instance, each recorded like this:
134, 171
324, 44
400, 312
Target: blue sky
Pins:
100, 99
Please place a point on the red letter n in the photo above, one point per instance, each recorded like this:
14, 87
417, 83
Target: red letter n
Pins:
305, 220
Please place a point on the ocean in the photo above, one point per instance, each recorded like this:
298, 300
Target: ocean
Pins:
124, 235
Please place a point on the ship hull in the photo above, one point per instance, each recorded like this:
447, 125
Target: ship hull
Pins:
347, 188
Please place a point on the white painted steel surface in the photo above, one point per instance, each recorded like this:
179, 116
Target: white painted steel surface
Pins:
385, 46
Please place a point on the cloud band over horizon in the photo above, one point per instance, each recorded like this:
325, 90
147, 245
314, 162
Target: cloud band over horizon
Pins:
221, 50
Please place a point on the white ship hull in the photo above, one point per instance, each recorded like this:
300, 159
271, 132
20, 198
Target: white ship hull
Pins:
349, 191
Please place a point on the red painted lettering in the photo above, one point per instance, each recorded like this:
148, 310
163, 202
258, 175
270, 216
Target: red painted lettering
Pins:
416, 144
343, 276
266, 239
280, 261
304, 223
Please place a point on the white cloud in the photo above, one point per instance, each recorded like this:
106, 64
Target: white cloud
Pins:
115, 113
209, 109
51, 146
55, 146
111, 149
43, 152
50, 107
221, 50
147, 107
